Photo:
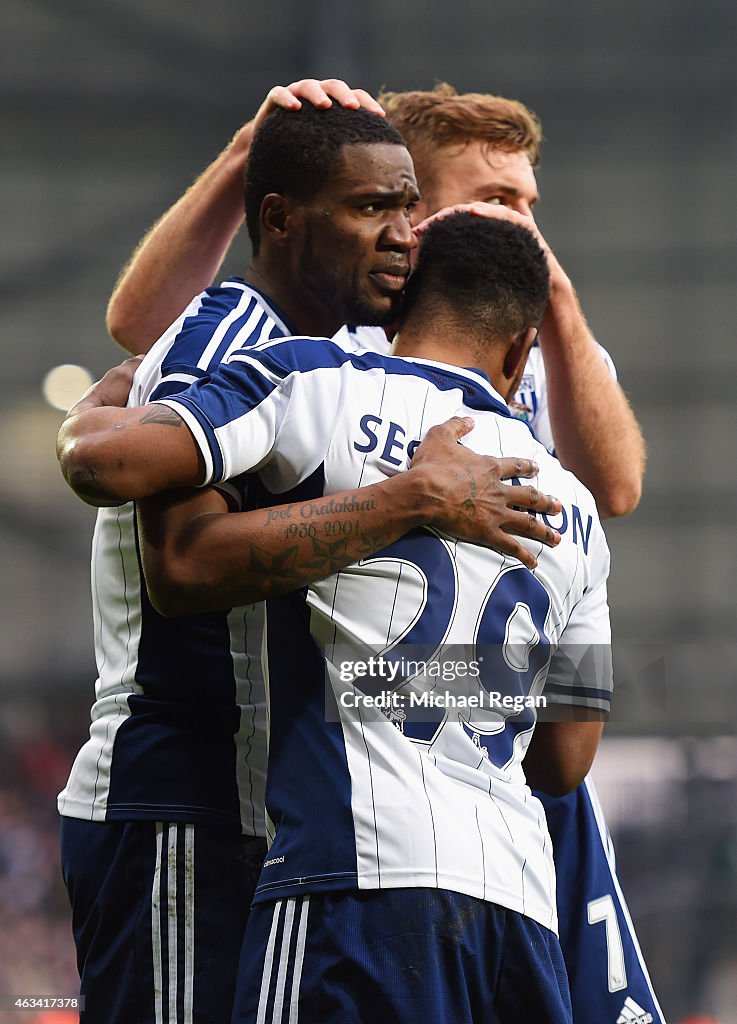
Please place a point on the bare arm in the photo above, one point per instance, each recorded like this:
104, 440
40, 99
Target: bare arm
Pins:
110, 455
181, 254
199, 557
560, 753
183, 251
596, 434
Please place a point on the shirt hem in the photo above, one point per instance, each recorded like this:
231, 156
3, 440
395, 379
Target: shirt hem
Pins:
543, 914
163, 812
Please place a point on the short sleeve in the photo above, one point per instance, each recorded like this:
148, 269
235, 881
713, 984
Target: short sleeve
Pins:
259, 409
580, 672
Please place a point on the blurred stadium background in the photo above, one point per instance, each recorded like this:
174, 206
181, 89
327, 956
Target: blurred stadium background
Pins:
110, 110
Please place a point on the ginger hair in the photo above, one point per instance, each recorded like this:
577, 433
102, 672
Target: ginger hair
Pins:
442, 117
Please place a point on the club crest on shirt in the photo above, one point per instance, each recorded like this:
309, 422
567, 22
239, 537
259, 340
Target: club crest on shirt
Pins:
396, 716
524, 404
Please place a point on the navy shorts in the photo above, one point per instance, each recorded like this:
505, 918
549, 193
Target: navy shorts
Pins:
158, 915
606, 971
398, 956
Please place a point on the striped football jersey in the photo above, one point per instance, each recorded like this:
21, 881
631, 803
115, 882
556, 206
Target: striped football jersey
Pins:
177, 730
357, 797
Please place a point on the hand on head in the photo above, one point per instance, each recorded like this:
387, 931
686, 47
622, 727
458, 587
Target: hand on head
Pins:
494, 210
319, 94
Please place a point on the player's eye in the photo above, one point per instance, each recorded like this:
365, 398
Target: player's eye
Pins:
370, 208
495, 200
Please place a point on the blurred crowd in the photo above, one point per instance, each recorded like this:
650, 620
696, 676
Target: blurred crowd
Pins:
36, 950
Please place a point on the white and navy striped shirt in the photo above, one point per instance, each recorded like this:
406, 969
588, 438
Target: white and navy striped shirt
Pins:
356, 798
177, 731
150, 754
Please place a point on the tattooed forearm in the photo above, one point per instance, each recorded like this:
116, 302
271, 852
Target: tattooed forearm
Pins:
331, 528
329, 506
319, 509
313, 559
162, 415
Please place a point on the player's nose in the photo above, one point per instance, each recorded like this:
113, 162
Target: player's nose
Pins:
398, 233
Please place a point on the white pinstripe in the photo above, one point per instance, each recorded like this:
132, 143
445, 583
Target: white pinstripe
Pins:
281, 978
237, 342
156, 928
276, 1015
189, 936
299, 957
172, 924
222, 328
268, 963
171, 914
183, 378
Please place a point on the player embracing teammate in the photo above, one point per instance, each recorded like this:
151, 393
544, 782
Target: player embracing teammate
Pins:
225, 322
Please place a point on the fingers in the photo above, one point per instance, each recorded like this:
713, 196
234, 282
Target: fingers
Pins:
311, 90
368, 101
121, 376
526, 497
499, 212
493, 210
124, 371
284, 96
532, 499
321, 94
335, 89
510, 467
112, 389
452, 430
520, 524
422, 227
509, 546
279, 96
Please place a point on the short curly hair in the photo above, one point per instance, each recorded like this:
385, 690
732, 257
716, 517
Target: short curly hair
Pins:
490, 274
295, 152
442, 117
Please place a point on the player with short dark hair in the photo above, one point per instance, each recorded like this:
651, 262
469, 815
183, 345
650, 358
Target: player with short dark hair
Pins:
501, 275
282, 194
295, 158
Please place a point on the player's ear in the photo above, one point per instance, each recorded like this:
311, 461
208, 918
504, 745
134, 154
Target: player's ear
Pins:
275, 213
517, 352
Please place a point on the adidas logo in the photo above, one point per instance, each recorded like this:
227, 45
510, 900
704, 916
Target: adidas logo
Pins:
633, 1013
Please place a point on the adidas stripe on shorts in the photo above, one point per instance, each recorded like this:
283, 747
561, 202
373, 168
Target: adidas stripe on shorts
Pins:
398, 956
159, 912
